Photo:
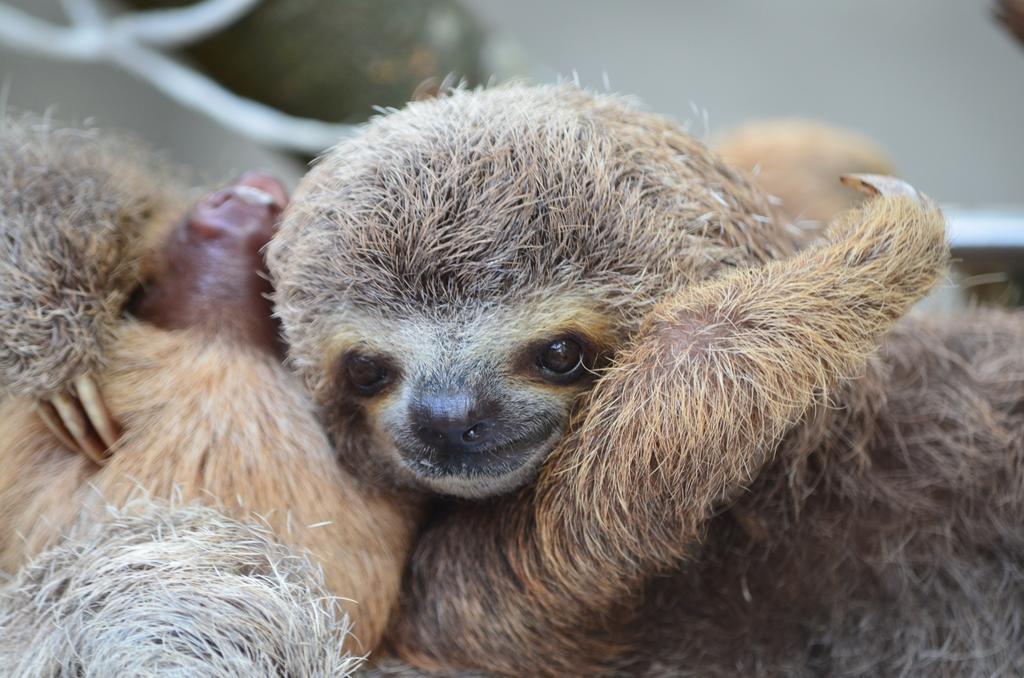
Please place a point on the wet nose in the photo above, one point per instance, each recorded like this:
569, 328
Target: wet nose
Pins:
453, 423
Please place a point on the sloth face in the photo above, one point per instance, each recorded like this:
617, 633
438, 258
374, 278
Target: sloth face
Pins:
467, 406
448, 280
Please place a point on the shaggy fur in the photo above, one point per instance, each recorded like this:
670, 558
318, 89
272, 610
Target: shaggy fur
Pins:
76, 212
223, 425
686, 418
491, 198
204, 418
799, 162
744, 427
167, 590
460, 230
747, 488
885, 538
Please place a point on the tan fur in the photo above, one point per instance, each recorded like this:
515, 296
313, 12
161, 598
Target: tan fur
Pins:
83, 217
800, 161
223, 425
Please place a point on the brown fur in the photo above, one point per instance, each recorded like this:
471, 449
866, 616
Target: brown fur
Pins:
688, 417
78, 210
486, 206
885, 538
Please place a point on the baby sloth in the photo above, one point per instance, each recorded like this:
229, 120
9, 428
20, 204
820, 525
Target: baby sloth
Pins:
452, 281
694, 458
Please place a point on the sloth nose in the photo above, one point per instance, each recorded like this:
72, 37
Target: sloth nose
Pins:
453, 422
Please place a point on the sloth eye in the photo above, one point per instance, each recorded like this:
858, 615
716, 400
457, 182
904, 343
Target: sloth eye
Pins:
365, 375
561, 361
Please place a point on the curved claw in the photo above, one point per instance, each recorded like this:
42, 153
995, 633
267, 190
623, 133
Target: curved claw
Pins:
96, 410
48, 413
81, 420
884, 186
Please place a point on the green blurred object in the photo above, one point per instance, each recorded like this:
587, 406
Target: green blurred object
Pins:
336, 59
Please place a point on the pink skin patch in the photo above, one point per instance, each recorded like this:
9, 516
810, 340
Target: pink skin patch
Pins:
214, 277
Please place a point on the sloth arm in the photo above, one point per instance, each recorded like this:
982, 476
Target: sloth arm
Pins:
685, 418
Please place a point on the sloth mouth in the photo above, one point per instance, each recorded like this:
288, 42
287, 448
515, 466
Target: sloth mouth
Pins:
479, 473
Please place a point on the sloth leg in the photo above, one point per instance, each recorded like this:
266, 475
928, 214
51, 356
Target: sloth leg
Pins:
211, 277
77, 210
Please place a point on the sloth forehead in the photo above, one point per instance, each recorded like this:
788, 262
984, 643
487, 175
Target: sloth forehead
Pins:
492, 196
482, 209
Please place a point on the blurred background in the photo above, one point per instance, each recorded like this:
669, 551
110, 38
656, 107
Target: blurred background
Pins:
937, 84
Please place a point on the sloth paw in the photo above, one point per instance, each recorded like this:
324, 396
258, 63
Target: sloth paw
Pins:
76, 208
212, 279
80, 420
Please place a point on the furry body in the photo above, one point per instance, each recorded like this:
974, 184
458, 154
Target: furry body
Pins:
884, 539
209, 415
80, 214
743, 413
163, 589
745, 458
216, 424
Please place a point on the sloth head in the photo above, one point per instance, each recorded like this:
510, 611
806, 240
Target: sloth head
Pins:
454, 279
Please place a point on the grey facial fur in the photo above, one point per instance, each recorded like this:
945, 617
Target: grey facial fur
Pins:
483, 377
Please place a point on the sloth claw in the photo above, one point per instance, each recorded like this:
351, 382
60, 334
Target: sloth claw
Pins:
884, 186
96, 409
48, 413
81, 420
